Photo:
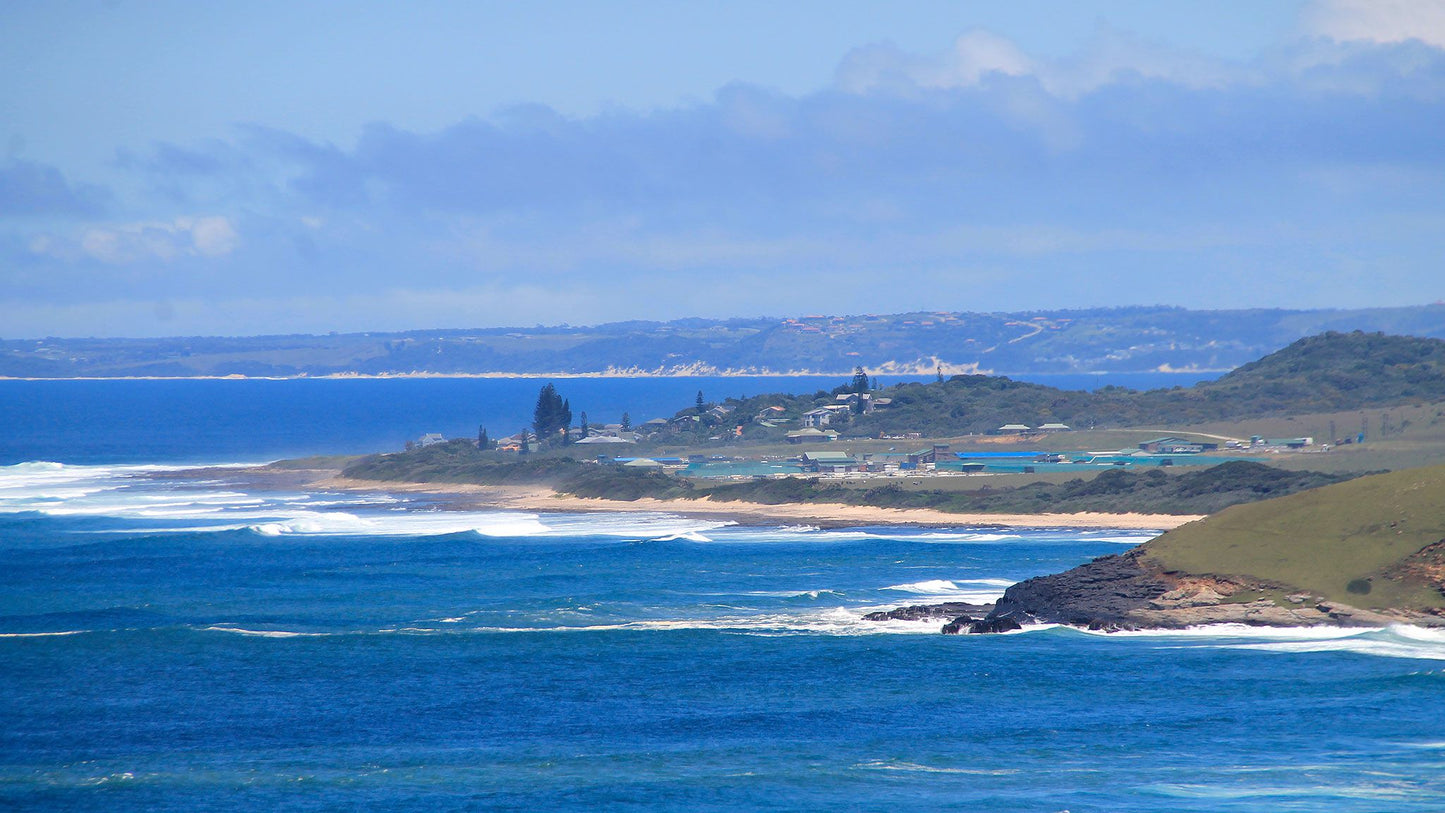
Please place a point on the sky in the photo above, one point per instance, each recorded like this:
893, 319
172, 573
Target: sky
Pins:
182, 168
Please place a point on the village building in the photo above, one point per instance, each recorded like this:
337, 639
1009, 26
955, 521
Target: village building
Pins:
812, 434
816, 418
1176, 445
830, 462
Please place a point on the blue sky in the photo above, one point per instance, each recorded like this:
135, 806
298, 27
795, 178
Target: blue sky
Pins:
206, 168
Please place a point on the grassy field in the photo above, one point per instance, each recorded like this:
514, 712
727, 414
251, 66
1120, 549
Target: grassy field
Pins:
1350, 542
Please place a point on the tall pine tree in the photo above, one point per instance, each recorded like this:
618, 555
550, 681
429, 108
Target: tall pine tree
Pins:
860, 382
552, 415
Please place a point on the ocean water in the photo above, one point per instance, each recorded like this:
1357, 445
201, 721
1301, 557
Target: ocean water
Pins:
182, 644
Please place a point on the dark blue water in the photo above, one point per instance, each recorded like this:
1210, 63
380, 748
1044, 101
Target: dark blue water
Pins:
177, 645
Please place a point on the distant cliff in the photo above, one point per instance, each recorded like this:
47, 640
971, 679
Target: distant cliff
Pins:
1140, 339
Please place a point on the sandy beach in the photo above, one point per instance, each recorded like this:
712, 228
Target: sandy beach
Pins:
535, 498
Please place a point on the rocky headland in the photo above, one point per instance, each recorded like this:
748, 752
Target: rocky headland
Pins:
1368, 552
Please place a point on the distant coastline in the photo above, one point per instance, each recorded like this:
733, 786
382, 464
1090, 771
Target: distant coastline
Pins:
604, 374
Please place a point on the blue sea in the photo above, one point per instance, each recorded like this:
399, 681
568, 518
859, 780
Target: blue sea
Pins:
201, 644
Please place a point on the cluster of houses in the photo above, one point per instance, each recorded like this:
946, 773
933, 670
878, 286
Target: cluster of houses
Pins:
829, 462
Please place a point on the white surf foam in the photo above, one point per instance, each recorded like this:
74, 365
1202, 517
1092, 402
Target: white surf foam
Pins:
688, 536
1395, 641
266, 633
914, 767
967, 536
421, 523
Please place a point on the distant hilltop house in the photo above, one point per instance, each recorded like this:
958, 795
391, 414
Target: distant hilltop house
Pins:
771, 416
815, 418
430, 439
515, 443
1012, 429
851, 400
1174, 445
1055, 427
593, 439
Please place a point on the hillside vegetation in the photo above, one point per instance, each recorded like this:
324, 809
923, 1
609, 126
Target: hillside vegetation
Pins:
1324, 373
1113, 491
1372, 542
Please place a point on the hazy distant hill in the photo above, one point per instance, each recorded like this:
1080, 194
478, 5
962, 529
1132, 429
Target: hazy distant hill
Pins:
1112, 340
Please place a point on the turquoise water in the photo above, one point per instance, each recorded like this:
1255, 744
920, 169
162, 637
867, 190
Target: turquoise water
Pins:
177, 645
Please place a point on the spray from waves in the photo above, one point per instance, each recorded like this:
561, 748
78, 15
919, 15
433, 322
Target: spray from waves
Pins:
28, 486
1394, 641
811, 595
826, 621
431, 523
961, 590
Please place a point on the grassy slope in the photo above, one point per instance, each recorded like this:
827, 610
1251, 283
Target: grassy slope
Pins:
1324, 539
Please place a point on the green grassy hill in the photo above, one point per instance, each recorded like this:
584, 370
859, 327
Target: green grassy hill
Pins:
1372, 542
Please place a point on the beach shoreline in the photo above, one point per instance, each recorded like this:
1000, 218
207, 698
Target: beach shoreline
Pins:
541, 498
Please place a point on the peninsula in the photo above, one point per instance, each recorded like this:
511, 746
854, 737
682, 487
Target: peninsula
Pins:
1367, 552
1303, 539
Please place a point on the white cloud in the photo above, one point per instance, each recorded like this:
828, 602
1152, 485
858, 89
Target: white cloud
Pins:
976, 55
972, 57
1377, 20
212, 236
127, 243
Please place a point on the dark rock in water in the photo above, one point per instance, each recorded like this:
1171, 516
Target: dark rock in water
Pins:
956, 626
994, 624
1100, 595
927, 612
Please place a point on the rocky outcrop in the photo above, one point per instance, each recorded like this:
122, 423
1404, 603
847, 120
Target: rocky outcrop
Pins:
928, 612
1126, 591
1100, 595
1132, 591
